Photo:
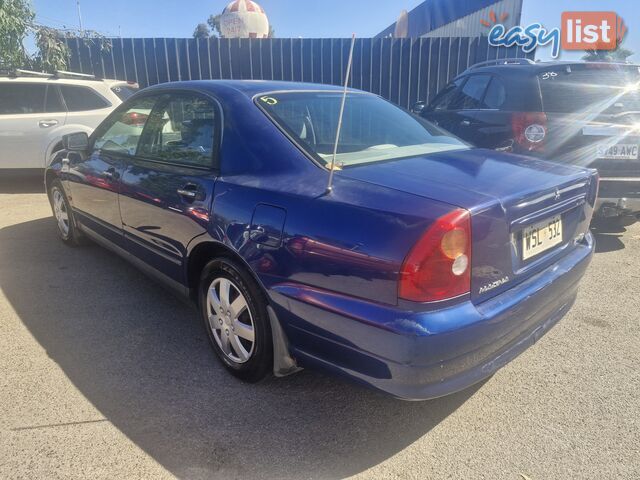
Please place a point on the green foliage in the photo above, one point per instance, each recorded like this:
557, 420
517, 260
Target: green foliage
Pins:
16, 17
17, 22
201, 31
619, 54
214, 23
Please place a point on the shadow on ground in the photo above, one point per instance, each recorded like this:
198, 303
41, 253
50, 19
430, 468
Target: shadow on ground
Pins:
608, 234
141, 357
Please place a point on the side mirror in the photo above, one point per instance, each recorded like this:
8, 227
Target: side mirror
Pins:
418, 107
76, 142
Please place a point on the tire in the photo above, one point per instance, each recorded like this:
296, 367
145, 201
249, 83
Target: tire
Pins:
66, 225
237, 323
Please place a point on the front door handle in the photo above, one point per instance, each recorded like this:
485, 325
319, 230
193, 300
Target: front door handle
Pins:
47, 123
465, 123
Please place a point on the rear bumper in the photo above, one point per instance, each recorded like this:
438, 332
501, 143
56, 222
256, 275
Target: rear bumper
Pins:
422, 355
618, 196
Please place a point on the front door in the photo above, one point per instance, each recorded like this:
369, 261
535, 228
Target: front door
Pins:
95, 181
167, 189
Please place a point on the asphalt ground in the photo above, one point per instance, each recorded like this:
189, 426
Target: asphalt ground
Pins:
105, 375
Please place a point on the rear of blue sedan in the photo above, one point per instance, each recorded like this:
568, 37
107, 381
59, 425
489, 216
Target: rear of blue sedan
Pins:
424, 268
480, 253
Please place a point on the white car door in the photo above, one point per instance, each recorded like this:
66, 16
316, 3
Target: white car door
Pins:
85, 105
28, 112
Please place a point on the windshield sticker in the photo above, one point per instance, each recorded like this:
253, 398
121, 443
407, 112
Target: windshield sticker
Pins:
269, 100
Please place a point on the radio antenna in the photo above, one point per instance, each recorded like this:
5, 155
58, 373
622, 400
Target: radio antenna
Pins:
344, 98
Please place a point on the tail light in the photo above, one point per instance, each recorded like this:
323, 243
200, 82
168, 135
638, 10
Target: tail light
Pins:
529, 130
134, 118
438, 266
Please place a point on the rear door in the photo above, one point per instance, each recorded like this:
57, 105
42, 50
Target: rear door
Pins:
95, 181
85, 106
28, 112
167, 189
482, 119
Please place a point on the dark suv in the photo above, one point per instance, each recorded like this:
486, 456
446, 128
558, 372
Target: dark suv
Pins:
586, 114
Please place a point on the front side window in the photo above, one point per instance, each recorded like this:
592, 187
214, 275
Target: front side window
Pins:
22, 98
80, 99
372, 128
446, 99
181, 130
121, 133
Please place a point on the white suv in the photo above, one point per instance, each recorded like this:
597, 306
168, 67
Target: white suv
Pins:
37, 109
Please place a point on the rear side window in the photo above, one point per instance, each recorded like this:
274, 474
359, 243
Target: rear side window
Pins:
496, 94
80, 99
590, 89
53, 102
181, 130
124, 91
22, 98
473, 91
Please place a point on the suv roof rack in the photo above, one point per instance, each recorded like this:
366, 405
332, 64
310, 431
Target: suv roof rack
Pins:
19, 72
80, 76
503, 61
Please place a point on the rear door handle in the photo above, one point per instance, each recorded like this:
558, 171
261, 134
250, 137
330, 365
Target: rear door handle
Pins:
47, 123
188, 192
109, 174
465, 123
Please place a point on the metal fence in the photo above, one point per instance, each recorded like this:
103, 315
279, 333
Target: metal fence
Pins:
403, 70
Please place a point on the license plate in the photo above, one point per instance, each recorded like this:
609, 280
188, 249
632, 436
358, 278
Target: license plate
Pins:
541, 237
621, 151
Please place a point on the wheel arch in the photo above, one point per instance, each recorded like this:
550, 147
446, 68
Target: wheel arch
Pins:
205, 251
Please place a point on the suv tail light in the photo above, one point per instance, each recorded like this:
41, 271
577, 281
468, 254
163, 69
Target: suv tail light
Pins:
438, 266
134, 118
529, 130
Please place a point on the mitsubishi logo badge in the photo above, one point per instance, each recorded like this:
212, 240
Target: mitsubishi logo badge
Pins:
557, 195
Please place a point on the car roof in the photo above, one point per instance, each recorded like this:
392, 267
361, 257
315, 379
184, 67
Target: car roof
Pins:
537, 67
249, 88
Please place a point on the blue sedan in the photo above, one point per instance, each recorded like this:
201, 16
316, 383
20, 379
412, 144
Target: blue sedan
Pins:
423, 267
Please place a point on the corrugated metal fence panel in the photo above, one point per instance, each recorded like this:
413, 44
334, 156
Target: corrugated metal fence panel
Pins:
403, 70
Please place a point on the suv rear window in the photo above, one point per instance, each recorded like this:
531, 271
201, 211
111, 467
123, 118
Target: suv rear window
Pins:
124, 91
80, 99
590, 88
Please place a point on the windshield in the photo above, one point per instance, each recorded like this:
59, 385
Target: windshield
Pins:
588, 88
373, 129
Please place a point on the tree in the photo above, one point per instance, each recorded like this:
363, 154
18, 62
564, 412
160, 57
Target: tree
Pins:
16, 17
619, 54
272, 32
214, 23
201, 31
17, 22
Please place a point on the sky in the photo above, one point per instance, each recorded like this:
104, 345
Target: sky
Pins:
297, 18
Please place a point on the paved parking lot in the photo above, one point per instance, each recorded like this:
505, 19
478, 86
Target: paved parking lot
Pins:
104, 375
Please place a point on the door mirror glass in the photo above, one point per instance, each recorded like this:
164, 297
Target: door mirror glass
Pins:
418, 107
77, 142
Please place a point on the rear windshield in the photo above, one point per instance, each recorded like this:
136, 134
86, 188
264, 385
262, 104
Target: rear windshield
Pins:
590, 89
124, 91
372, 129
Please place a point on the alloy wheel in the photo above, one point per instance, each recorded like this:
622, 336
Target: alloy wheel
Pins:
60, 212
230, 320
